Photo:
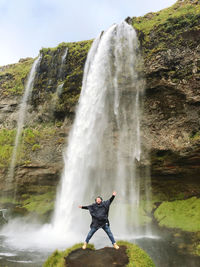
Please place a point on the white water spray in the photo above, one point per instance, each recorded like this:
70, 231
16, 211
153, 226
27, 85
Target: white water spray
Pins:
104, 145
21, 119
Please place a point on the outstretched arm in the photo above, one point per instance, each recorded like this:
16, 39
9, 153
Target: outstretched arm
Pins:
83, 207
113, 196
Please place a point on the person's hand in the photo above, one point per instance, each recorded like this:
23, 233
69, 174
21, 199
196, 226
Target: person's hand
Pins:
114, 193
80, 207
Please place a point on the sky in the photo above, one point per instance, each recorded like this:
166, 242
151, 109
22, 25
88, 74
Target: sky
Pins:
28, 25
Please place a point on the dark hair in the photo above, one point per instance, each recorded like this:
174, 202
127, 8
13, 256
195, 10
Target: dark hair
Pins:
99, 197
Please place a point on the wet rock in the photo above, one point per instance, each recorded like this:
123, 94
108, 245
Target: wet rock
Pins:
97, 258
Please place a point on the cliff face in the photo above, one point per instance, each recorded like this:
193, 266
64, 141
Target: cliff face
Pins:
170, 42
48, 119
171, 127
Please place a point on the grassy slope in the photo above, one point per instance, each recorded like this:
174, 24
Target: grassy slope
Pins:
182, 214
178, 11
13, 77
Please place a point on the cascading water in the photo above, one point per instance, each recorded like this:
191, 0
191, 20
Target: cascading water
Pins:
21, 118
59, 88
63, 58
104, 145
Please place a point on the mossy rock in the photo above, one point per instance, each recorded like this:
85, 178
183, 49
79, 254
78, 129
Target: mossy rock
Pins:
181, 214
156, 30
14, 76
39, 202
57, 259
136, 257
50, 76
31, 141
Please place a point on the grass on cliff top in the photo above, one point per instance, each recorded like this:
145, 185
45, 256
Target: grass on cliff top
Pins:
179, 9
75, 46
18, 74
182, 214
137, 256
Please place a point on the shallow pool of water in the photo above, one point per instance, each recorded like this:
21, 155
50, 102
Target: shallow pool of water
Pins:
160, 247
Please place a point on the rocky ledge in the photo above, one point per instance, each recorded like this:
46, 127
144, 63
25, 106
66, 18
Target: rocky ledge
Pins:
96, 258
127, 255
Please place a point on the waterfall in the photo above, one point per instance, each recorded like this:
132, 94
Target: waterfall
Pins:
62, 62
21, 118
104, 145
59, 88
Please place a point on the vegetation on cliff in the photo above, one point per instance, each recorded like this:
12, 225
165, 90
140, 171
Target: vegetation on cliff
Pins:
13, 77
165, 28
6, 145
32, 140
48, 79
182, 214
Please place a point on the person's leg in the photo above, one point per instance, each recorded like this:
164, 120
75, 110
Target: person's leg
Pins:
106, 228
90, 234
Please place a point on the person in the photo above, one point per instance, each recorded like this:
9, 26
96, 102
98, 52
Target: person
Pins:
99, 212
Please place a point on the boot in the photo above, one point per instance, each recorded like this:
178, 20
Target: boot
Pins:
115, 246
84, 245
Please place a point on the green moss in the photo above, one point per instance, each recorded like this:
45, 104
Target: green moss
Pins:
182, 214
57, 258
36, 147
14, 76
162, 30
197, 250
137, 256
30, 136
195, 137
7, 138
40, 204
31, 141
181, 13
10, 200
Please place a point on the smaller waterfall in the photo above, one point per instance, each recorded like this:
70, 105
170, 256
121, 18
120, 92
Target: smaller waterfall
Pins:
3, 213
63, 58
59, 89
21, 118
60, 86
61, 78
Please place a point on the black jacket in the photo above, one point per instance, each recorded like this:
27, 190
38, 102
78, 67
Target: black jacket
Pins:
99, 212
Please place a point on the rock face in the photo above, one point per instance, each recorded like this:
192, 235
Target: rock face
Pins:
97, 258
169, 41
171, 52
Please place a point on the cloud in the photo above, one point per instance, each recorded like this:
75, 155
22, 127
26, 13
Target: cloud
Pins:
26, 26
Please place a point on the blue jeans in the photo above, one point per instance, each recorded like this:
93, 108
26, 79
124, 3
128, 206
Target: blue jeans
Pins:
106, 228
